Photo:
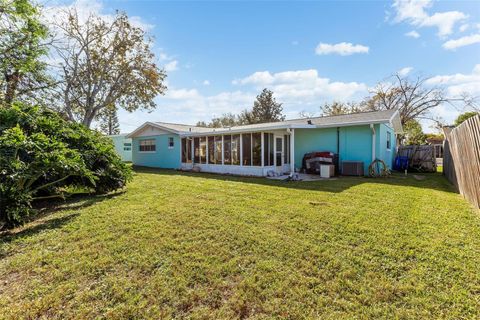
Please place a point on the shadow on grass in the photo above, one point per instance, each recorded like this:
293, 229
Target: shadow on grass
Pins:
435, 181
40, 222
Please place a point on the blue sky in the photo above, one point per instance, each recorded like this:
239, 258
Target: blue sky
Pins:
219, 55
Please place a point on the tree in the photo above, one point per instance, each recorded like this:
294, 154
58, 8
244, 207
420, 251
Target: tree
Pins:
106, 64
22, 72
464, 116
109, 122
224, 121
265, 109
338, 108
412, 98
413, 133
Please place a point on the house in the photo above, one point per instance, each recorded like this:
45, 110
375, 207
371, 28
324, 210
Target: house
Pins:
259, 148
123, 146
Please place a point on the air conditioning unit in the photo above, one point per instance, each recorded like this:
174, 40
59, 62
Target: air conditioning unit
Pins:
352, 168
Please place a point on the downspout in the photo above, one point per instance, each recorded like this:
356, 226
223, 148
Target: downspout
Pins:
374, 135
338, 142
292, 152
337, 165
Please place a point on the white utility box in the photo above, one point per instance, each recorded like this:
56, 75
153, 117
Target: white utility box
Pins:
327, 170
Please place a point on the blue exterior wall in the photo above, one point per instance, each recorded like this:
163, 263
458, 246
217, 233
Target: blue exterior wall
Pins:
162, 157
118, 142
387, 155
355, 143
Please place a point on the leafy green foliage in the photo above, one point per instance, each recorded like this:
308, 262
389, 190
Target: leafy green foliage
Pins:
109, 123
224, 121
337, 108
265, 109
413, 133
41, 154
21, 35
464, 116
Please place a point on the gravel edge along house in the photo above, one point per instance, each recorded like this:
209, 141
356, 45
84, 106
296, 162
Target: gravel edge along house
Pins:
259, 148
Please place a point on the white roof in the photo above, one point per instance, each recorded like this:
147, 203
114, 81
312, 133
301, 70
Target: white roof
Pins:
390, 117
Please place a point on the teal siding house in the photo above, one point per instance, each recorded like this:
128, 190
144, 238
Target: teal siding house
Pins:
123, 146
260, 148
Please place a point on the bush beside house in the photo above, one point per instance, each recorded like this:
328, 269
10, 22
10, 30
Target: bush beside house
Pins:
42, 155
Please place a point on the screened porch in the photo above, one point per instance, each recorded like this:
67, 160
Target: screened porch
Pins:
250, 153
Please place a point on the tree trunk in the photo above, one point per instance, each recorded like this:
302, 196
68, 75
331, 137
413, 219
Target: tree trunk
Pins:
87, 120
12, 84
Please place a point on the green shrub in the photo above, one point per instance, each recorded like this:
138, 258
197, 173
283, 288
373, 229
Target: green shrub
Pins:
41, 155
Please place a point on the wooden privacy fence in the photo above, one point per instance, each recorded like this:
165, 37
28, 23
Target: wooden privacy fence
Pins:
461, 159
420, 158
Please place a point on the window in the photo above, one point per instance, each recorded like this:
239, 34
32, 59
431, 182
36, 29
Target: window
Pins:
196, 150
265, 149
127, 146
203, 150
278, 151
186, 150
211, 150
227, 149
389, 140
268, 149
256, 149
147, 145
236, 149
247, 149
218, 150
286, 149
170, 142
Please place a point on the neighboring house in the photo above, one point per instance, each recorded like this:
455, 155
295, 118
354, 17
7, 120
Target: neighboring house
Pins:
123, 146
259, 148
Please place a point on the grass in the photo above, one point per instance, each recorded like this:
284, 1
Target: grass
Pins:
201, 246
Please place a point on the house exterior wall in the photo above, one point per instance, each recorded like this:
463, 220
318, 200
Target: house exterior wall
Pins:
235, 169
162, 157
118, 142
355, 143
387, 155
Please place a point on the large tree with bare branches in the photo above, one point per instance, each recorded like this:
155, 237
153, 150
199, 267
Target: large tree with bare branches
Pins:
105, 64
412, 97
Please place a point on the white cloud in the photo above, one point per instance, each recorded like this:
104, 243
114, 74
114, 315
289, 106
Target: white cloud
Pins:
171, 66
459, 83
187, 106
413, 34
182, 94
206, 82
414, 12
303, 85
405, 71
464, 27
85, 8
461, 42
343, 49
301, 90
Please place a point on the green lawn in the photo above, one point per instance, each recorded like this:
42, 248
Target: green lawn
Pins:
201, 246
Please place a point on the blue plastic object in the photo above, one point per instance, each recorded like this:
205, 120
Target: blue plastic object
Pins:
401, 163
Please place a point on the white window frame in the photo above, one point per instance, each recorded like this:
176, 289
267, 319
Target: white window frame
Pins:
171, 139
143, 140
389, 141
